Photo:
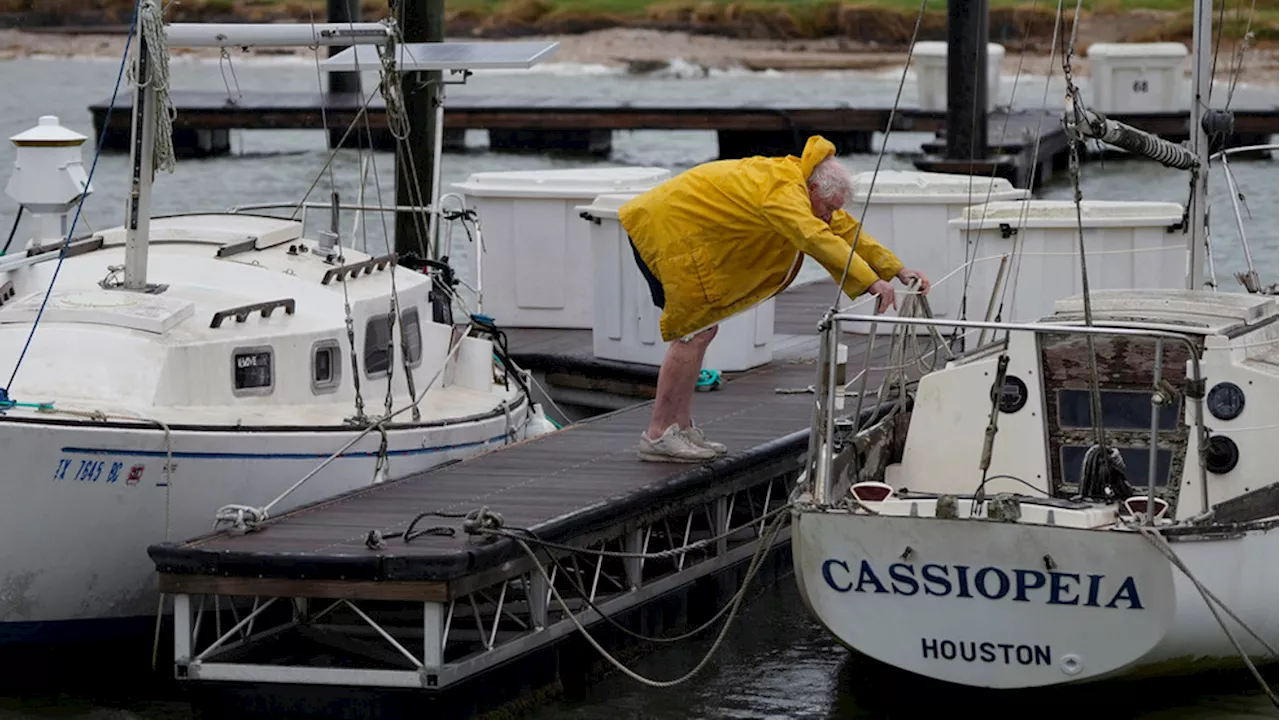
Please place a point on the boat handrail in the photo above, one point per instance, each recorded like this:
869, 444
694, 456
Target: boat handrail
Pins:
1050, 328
1243, 149
234, 209
822, 428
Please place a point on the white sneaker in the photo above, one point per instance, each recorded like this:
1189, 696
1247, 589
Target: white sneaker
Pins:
697, 437
672, 446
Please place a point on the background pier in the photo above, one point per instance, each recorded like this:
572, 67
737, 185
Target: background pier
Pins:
584, 126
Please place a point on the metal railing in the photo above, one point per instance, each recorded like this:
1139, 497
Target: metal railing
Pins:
1249, 279
447, 251
822, 429
234, 209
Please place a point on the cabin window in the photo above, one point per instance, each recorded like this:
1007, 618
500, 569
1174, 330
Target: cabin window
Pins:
412, 336
377, 345
326, 366
1121, 410
252, 371
1136, 462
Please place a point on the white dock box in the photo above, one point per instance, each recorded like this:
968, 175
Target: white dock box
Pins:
1137, 77
536, 266
1128, 245
930, 62
626, 320
908, 214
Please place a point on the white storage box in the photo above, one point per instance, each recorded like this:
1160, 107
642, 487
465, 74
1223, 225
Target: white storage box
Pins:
930, 62
536, 266
1128, 245
1137, 77
908, 214
626, 320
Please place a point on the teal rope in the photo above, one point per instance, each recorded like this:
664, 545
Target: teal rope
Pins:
6, 403
708, 378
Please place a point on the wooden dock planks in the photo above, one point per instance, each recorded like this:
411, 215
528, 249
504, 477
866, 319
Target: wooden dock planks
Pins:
557, 484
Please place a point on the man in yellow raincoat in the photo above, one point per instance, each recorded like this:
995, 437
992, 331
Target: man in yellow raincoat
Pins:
719, 238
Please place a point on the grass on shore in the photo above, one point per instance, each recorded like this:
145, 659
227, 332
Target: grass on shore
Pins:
884, 21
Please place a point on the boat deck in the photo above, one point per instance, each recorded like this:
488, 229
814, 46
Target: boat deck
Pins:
559, 485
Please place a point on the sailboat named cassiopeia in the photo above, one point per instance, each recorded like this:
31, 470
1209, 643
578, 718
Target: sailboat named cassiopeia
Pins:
1088, 496
177, 369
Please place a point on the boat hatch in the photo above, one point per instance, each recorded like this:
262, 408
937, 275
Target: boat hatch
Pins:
134, 311
1195, 311
235, 232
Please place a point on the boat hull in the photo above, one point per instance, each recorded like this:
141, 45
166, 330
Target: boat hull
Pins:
83, 503
1012, 605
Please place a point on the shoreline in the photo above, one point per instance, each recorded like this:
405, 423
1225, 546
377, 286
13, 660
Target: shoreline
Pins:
643, 51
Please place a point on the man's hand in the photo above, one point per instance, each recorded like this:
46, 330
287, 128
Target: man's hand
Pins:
884, 291
906, 275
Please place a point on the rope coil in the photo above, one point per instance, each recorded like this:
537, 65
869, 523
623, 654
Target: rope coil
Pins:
155, 45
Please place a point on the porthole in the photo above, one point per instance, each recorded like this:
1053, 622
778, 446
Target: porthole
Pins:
1226, 401
1014, 397
252, 371
412, 330
326, 366
1221, 455
377, 345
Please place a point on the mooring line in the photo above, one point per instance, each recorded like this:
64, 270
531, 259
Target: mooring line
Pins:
486, 522
490, 522
756, 562
1161, 544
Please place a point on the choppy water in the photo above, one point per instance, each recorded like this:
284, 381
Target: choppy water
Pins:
776, 663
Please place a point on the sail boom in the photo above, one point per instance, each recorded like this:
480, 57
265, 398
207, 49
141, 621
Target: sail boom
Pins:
1139, 142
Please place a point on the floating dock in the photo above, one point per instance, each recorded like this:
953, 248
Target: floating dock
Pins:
205, 120
382, 597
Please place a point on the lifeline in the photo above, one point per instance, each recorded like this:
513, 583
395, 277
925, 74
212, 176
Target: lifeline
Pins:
992, 583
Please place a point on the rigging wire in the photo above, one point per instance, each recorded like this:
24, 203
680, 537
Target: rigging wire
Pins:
62, 254
1035, 157
857, 235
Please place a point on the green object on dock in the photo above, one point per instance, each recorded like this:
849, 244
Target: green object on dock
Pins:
708, 380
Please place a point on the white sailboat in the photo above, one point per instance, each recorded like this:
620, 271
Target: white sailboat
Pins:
179, 370
1089, 496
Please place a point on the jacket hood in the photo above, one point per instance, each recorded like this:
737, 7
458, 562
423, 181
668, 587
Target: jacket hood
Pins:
816, 150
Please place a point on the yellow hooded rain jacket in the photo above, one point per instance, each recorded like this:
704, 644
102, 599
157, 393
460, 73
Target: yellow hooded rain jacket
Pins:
729, 234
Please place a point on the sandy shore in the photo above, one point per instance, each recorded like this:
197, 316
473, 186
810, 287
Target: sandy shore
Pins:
640, 50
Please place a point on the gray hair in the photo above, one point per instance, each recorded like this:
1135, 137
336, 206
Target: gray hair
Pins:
832, 179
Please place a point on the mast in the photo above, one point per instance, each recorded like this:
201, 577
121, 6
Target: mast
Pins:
141, 157
150, 67
1201, 82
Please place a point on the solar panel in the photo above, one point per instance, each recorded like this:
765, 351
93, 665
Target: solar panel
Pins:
446, 56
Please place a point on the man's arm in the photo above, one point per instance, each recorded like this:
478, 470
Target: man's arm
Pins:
881, 259
789, 213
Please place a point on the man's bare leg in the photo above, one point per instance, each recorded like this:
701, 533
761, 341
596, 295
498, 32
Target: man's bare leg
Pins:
677, 381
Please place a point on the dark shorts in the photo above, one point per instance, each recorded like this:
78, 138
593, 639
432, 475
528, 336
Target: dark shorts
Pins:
655, 287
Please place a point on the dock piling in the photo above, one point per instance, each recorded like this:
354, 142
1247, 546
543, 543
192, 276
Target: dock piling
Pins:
420, 21
966, 131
